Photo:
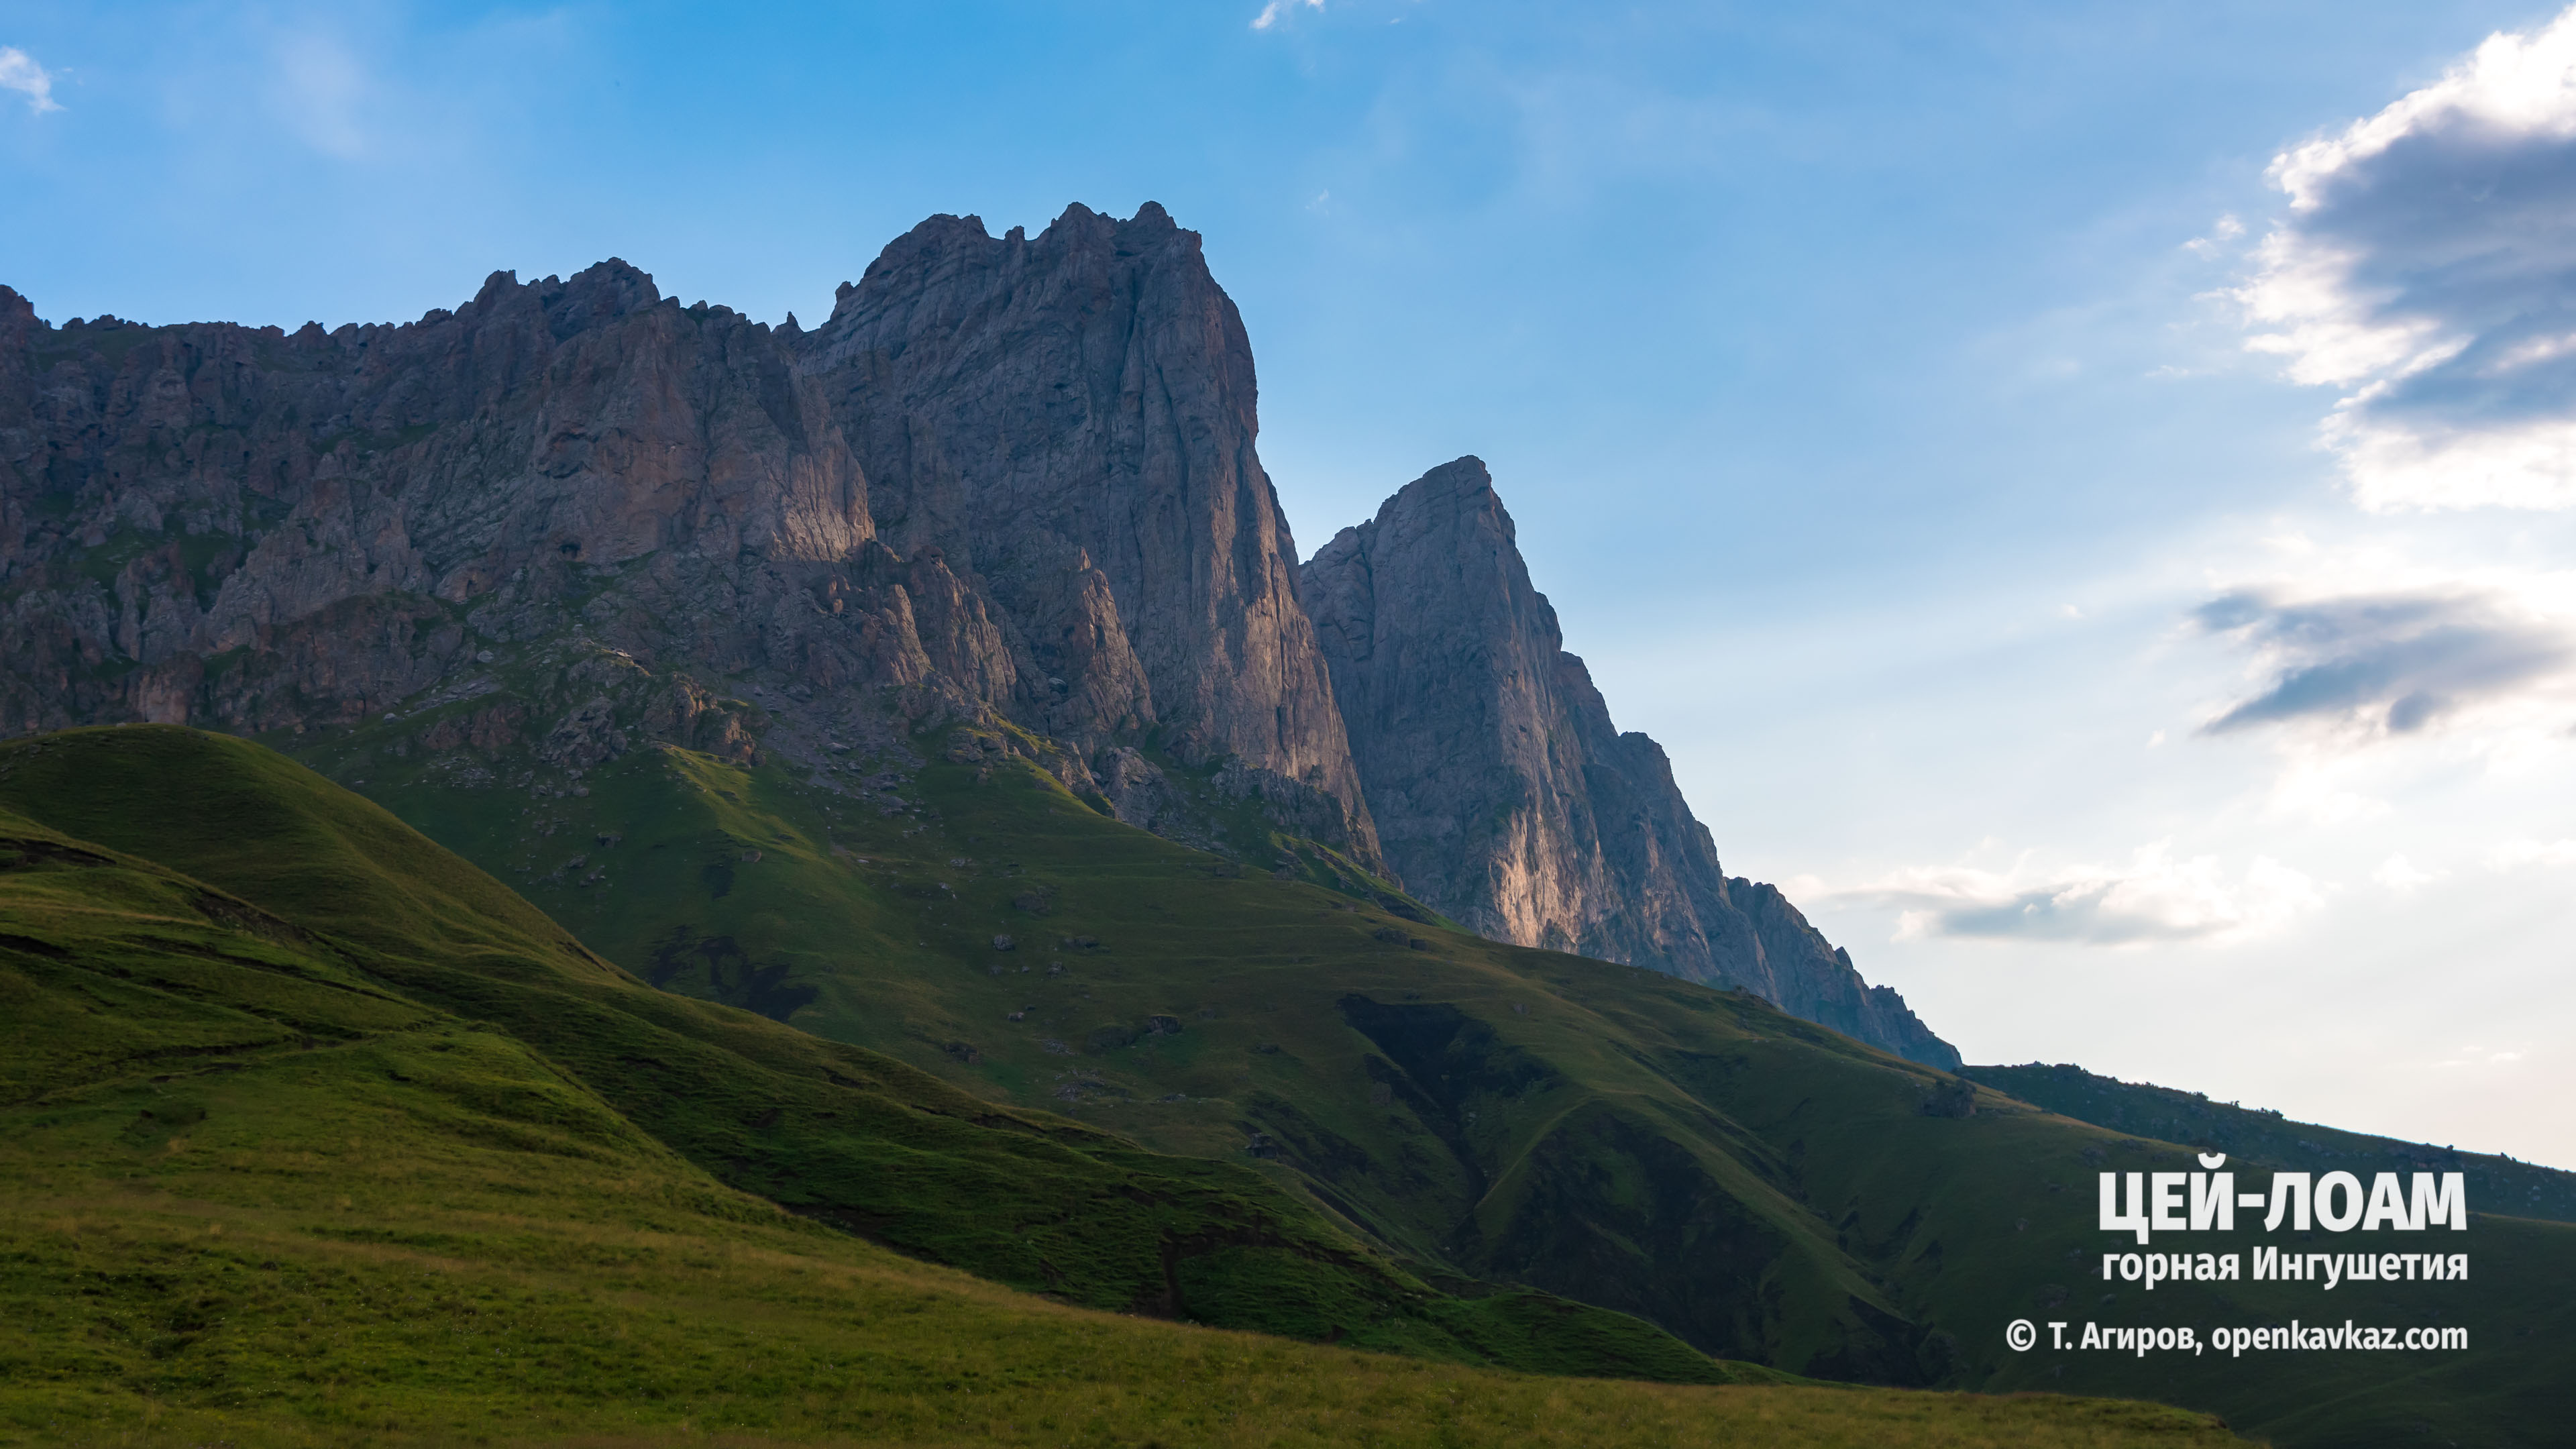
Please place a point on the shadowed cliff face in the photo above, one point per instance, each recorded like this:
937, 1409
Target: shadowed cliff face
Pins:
260, 530
1072, 419
1505, 797
579, 480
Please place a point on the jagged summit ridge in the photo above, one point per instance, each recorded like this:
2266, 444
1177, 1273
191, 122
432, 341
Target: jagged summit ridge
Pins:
1505, 796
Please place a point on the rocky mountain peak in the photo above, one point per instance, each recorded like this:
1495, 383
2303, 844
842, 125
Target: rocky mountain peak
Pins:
596, 295
1502, 791
1072, 417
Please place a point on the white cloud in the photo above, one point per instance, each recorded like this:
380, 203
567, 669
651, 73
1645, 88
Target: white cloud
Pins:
1271, 12
2425, 268
2402, 876
2153, 898
19, 72
2514, 854
2226, 229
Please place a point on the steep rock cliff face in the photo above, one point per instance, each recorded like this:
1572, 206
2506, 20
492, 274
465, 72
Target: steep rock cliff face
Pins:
257, 530
1072, 417
1502, 792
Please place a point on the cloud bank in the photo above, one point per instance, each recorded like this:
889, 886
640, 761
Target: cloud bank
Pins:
2428, 268
2382, 664
19, 72
2154, 898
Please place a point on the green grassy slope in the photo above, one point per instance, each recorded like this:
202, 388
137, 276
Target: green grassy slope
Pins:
835, 1132
265, 1188
2253, 1135
1762, 1187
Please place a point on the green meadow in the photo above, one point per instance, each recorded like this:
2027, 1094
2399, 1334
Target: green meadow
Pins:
292, 1164
324, 1135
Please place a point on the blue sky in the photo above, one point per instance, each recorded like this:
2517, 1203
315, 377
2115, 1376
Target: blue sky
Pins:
1929, 421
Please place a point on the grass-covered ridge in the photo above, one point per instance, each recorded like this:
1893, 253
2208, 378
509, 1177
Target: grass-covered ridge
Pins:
1762, 1187
2251, 1135
322, 1139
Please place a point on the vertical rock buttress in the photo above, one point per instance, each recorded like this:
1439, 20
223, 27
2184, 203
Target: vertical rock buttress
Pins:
1072, 418
1504, 795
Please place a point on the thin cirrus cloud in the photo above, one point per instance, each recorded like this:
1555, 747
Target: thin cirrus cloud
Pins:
1271, 12
2154, 898
2427, 267
2383, 664
19, 72
319, 90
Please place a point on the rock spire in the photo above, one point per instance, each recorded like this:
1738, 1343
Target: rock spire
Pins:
1504, 795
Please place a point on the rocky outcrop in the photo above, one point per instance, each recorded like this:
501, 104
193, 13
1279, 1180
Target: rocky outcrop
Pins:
1068, 526
258, 530
1505, 797
1072, 418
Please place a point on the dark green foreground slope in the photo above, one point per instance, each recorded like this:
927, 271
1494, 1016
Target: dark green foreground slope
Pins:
331, 1140
1759, 1186
390, 935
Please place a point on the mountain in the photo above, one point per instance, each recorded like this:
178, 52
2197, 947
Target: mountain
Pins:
257, 530
1506, 799
1009, 480
1070, 420
597, 592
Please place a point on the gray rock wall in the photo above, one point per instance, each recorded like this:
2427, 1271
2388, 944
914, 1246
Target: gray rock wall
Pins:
1072, 417
253, 529
1067, 524
1504, 795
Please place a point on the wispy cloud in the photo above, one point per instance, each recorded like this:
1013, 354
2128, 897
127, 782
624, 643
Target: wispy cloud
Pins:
320, 87
2382, 664
1271, 12
2426, 268
19, 72
2227, 229
2153, 898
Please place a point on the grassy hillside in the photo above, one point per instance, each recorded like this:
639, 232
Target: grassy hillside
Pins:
836, 1133
270, 1184
1761, 1187
2254, 1135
